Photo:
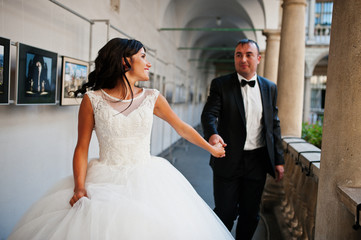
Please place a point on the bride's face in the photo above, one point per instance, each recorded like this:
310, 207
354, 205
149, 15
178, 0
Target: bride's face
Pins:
139, 66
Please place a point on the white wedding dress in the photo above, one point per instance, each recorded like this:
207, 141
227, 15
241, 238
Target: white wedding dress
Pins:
132, 195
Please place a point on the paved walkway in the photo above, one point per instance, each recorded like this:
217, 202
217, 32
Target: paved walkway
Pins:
193, 163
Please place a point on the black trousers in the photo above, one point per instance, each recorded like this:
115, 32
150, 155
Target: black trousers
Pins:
240, 196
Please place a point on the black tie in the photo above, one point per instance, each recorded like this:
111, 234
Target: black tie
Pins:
250, 83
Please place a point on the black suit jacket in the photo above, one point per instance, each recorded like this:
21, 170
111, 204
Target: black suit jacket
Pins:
224, 114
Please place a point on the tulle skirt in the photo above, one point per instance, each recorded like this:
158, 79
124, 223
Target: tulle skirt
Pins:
150, 200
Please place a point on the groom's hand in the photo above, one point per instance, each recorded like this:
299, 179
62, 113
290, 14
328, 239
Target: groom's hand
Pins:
279, 172
215, 139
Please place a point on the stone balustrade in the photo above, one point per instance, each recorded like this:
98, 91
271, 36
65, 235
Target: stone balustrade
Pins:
322, 34
350, 197
297, 194
322, 30
294, 199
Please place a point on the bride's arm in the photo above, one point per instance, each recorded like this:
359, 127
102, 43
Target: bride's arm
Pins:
80, 159
164, 111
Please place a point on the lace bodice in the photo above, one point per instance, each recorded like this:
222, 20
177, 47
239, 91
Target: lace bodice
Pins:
124, 136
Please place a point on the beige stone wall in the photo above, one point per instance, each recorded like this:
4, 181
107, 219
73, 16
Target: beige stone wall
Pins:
341, 145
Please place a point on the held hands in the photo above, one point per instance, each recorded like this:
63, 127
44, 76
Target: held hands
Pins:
218, 151
78, 193
218, 146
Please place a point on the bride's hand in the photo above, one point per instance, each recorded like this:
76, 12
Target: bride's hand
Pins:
218, 150
79, 193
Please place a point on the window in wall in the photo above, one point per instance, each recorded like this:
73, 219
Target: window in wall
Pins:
323, 14
318, 92
318, 99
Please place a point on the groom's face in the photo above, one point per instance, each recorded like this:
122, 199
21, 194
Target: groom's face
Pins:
246, 60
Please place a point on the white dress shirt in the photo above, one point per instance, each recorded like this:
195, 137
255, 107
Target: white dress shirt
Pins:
253, 109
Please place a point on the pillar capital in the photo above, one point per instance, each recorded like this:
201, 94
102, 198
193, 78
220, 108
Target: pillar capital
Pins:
272, 53
293, 2
272, 33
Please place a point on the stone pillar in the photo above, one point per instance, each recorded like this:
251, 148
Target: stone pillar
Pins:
272, 54
260, 69
341, 145
291, 67
307, 99
311, 21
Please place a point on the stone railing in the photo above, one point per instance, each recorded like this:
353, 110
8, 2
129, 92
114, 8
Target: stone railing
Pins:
321, 35
350, 197
294, 201
322, 30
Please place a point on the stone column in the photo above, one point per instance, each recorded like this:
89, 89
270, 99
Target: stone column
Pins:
260, 69
341, 145
272, 54
291, 67
311, 21
307, 99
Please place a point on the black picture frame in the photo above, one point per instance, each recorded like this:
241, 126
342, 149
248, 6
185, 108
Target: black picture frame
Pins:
36, 76
4, 70
74, 75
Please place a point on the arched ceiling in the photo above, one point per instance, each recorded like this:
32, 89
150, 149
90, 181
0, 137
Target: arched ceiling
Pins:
239, 19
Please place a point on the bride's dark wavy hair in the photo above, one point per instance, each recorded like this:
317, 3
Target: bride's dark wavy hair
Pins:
109, 67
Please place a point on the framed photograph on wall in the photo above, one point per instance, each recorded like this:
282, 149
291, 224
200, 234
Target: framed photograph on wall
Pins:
4, 70
74, 75
36, 76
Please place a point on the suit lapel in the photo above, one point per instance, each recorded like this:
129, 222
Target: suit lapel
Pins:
237, 93
263, 90
265, 98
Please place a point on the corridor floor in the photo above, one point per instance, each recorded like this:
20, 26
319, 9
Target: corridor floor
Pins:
192, 162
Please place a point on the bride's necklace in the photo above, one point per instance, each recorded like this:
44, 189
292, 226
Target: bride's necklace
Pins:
109, 96
137, 95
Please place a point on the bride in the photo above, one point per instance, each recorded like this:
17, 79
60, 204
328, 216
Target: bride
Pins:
126, 193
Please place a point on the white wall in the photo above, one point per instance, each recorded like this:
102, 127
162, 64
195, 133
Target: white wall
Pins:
37, 142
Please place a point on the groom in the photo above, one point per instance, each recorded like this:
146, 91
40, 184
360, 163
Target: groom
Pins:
241, 114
